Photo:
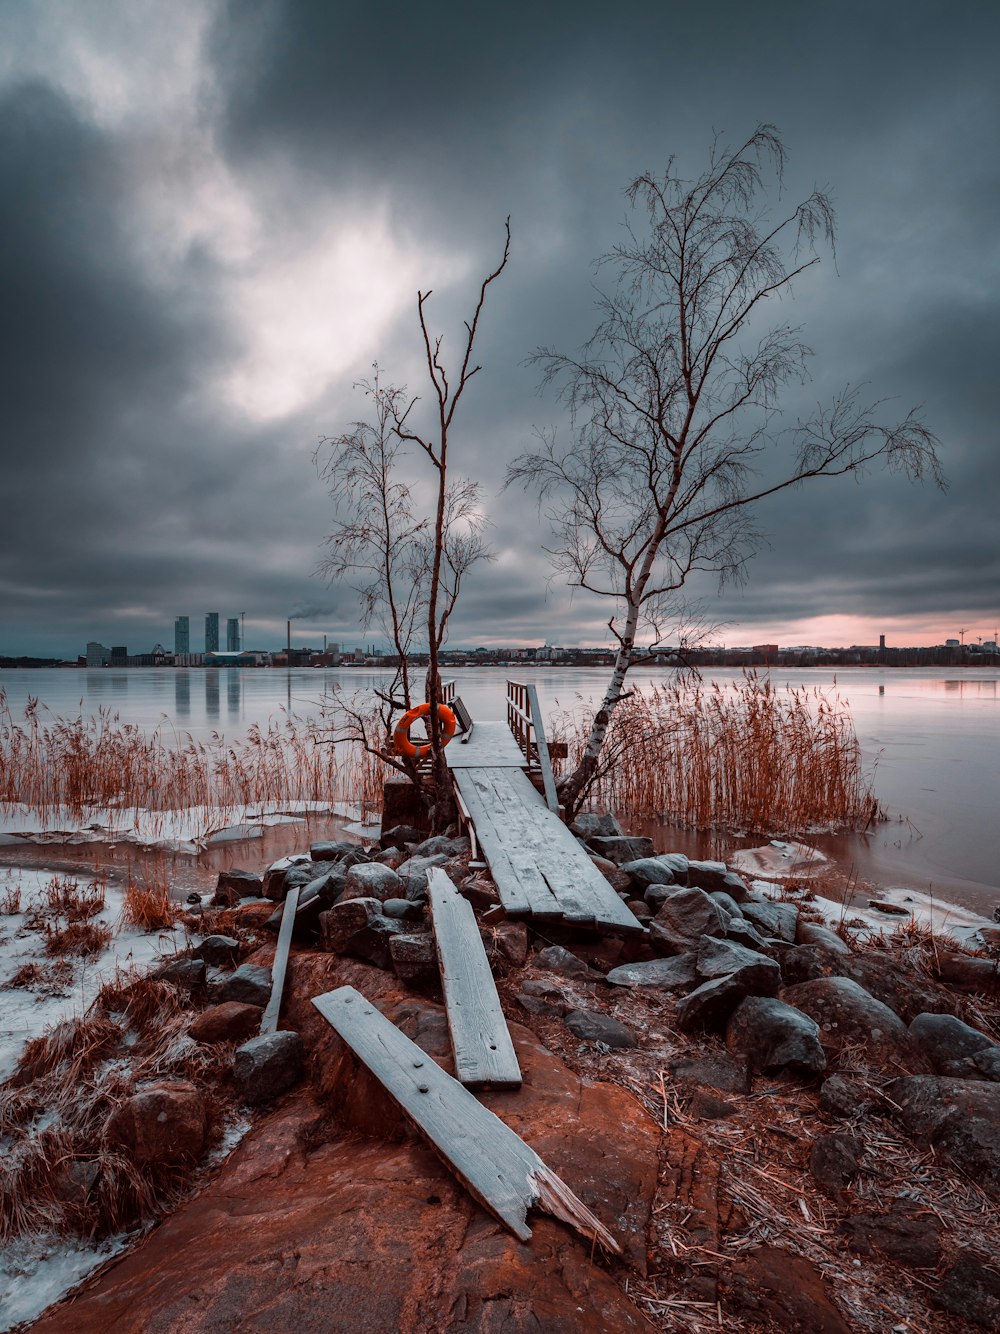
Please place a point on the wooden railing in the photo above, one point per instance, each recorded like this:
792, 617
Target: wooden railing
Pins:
524, 718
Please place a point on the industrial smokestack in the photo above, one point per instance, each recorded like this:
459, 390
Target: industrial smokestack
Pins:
288, 627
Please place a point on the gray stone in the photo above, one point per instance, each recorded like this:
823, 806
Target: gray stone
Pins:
331, 851
451, 847
414, 957
621, 849
404, 909
218, 950
372, 880
589, 825
949, 1045
773, 919
683, 918
250, 984
164, 1123
400, 835
904, 1238
988, 1063
843, 1098
770, 1035
593, 1026
359, 927
555, 959
279, 879
413, 873
186, 973
710, 1005
267, 1066
716, 875
740, 930
655, 896
727, 903
811, 933
236, 884
905, 991
960, 1116
674, 974
649, 871
968, 973
758, 975
971, 1290
847, 1014
804, 963
538, 995
717, 1071
835, 1160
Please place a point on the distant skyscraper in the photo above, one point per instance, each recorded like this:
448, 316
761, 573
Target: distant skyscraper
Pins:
182, 635
212, 632
233, 644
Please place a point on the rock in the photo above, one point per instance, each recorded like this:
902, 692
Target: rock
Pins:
414, 958
718, 1072
988, 1063
404, 910
640, 910
74, 1182
706, 1107
251, 984
716, 875
811, 933
555, 959
949, 1045
710, 1005
960, 1116
372, 880
727, 903
843, 1098
905, 992
770, 1035
592, 1026
268, 1066
162, 1124
401, 834
509, 940
847, 1014
804, 963
451, 847
331, 851
188, 974
359, 927
835, 1160
968, 973
540, 996
674, 974
589, 825
758, 975
236, 884
740, 930
232, 1021
971, 1290
289, 871
478, 891
780, 1290
901, 1237
621, 849
390, 857
218, 950
413, 873
654, 896
683, 918
778, 920
649, 871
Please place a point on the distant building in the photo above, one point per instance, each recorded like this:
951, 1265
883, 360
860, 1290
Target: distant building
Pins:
212, 632
233, 644
182, 635
951, 643
97, 654
119, 655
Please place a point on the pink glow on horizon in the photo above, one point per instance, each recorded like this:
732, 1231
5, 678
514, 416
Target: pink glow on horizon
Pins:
842, 631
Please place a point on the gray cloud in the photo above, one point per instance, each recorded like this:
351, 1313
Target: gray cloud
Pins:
145, 253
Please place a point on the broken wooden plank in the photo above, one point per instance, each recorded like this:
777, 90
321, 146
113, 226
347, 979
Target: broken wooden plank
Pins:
470, 827
491, 744
269, 1023
494, 1164
480, 1040
542, 747
519, 883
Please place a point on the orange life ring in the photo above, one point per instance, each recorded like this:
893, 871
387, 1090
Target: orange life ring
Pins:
401, 732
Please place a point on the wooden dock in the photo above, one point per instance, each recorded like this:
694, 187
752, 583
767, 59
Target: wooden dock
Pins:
538, 866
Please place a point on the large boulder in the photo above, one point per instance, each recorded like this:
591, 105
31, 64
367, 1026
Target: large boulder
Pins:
164, 1123
683, 918
971, 1290
716, 875
251, 984
673, 974
849, 1015
968, 973
950, 1045
372, 880
268, 1066
649, 871
589, 825
621, 849
710, 1005
778, 921
359, 927
770, 1035
811, 933
232, 1021
236, 884
286, 872
905, 991
758, 975
413, 873
959, 1116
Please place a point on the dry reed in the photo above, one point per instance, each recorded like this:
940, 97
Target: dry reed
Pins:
749, 757
149, 907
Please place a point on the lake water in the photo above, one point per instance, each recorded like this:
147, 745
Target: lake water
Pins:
933, 735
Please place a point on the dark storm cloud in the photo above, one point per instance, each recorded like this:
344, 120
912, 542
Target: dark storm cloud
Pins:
141, 490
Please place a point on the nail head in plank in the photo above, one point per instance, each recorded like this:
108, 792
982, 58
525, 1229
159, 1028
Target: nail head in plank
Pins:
480, 1039
495, 1165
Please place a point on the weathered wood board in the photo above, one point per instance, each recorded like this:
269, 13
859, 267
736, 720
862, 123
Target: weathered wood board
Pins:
480, 1039
269, 1023
491, 743
495, 1165
539, 867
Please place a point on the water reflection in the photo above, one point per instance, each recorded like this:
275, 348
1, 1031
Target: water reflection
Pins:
182, 694
970, 687
107, 683
233, 692
212, 694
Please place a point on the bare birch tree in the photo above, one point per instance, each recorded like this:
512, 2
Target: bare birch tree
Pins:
674, 402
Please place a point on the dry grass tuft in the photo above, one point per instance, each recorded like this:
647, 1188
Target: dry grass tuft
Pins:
136, 1000
10, 902
149, 907
749, 756
77, 938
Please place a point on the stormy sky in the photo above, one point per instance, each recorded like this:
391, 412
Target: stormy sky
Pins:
215, 217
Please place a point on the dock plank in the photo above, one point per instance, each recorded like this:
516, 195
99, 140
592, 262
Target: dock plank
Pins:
480, 1039
495, 1165
520, 877
491, 744
269, 1023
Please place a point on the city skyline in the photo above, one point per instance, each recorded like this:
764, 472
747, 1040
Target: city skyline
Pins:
202, 254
